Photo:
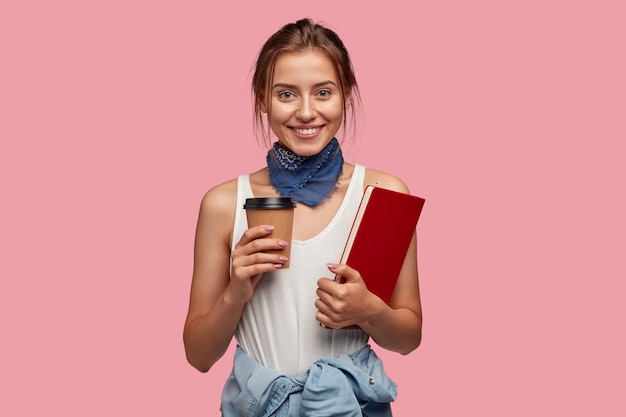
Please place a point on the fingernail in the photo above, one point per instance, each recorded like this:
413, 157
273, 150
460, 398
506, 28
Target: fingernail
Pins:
284, 259
269, 228
282, 244
278, 266
331, 265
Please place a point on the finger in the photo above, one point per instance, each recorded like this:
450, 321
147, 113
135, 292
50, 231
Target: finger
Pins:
328, 322
254, 271
324, 320
331, 292
346, 272
326, 284
260, 258
325, 306
261, 245
254, 233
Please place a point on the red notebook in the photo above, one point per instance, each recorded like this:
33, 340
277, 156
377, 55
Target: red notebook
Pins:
380, 237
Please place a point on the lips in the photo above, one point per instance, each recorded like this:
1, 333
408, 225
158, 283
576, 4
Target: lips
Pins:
306, 131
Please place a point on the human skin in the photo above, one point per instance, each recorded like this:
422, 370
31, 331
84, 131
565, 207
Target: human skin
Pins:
306, 113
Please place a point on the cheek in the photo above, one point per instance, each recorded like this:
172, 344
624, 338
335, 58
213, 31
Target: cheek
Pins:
280, 112
335, 112
277, 116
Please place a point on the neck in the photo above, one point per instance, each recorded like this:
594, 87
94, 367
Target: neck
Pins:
307, 179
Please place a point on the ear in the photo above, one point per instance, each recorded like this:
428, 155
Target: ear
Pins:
263, 104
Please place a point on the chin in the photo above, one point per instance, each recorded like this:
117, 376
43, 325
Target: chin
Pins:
306, 147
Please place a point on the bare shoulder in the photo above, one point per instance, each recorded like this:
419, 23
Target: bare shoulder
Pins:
384, 180
218, 204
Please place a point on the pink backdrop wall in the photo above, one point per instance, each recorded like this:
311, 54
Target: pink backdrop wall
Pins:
508, 117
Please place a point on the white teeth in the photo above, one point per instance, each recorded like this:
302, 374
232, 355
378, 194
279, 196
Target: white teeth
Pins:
309, 131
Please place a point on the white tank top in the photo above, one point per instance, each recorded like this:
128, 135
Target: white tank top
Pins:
278, 326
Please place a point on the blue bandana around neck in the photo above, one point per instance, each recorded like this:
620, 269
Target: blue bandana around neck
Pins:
307, 179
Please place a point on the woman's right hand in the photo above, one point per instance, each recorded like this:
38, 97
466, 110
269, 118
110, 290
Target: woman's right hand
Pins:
250, 261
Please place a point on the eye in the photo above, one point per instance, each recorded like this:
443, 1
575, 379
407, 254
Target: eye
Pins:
324, 93
285, 95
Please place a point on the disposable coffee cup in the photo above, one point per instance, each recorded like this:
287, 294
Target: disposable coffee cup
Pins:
274, 211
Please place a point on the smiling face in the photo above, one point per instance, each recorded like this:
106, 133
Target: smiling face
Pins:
306, 102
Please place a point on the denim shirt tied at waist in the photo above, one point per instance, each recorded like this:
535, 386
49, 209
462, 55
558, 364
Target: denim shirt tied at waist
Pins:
347, 386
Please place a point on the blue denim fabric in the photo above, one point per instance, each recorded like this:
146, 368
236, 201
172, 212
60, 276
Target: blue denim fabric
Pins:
347, 386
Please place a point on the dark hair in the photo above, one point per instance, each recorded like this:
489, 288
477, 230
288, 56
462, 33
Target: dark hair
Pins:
301, 36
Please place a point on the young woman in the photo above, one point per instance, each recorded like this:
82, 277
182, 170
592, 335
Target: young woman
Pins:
293, 353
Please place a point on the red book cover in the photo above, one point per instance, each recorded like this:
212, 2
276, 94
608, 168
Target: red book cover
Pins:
380, 237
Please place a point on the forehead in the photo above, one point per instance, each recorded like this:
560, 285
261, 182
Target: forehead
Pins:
303, 67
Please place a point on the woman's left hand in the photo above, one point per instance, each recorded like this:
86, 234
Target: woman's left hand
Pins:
344, 304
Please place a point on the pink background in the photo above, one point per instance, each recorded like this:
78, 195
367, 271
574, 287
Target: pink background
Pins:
508, 117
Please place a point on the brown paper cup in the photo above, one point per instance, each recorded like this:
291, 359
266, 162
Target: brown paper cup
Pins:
275, 211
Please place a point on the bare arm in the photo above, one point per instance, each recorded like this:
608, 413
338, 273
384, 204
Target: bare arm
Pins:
397, 326
218, 298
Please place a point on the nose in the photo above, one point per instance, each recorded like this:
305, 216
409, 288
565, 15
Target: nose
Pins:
306, 110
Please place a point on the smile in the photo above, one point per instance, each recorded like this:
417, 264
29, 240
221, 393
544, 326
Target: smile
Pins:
306, 131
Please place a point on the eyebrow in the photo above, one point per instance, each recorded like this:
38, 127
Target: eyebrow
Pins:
291, 86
